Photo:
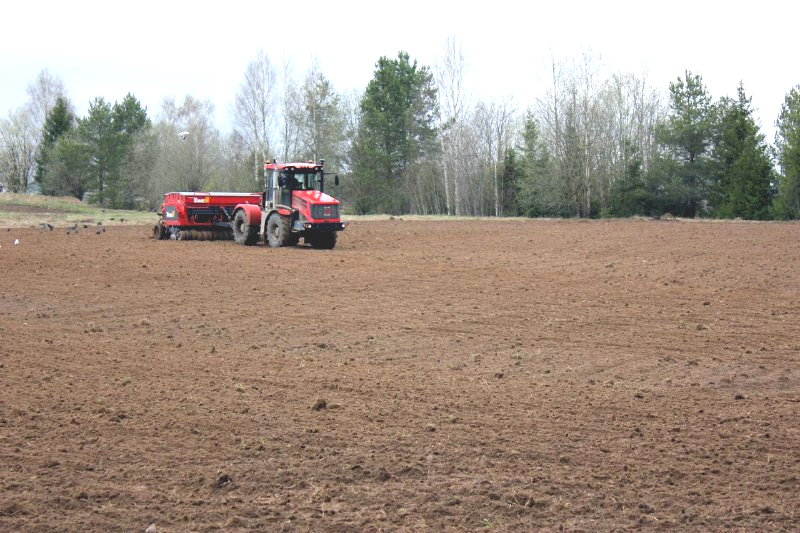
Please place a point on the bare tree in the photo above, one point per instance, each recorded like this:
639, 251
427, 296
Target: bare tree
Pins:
321, 122
292, 110
42, 95
254, 109
569, 114
450, 71
628, 110
18, 144
350, 107
494, 127
190, 145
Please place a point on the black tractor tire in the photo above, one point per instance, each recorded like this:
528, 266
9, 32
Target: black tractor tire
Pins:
324, 241
159, 232
278, 232
244, 233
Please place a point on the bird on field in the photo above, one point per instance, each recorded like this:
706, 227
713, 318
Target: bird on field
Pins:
45, 226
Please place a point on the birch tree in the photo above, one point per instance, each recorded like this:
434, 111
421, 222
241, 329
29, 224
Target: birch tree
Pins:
18, 146
291, 111
450, 72
321, 123
42, 93
254, 109
190, 145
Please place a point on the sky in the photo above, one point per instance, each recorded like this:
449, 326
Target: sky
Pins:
178, 48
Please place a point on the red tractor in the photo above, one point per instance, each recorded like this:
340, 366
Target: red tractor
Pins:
293, 206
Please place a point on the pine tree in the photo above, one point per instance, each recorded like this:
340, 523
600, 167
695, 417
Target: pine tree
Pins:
683, 177
396, 133
132, 159
744, 172
59, 121
540, 192
787, 141
96, 133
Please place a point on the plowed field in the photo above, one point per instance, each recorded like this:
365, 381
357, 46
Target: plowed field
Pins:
423, 375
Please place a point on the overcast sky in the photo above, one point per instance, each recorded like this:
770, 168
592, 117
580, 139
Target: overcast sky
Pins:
174, 48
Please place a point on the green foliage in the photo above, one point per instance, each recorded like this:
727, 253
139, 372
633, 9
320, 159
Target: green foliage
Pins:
681, 182
67, 167
135, 154
508, 184
787, 142
396, 133
96, 134
743, 166
60, 121
104, 154
629, 193
540, 193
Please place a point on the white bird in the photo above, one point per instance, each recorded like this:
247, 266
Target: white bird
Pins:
16, 242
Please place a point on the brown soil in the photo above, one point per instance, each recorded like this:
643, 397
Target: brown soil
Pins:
440, 375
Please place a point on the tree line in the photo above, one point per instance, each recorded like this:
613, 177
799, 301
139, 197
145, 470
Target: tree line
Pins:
417, 140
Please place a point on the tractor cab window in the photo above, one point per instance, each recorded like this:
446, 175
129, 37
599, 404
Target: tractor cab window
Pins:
303, 181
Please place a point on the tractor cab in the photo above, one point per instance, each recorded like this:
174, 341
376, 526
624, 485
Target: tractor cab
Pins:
290, 180
282, 179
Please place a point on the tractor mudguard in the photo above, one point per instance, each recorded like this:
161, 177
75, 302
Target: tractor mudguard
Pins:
253, 213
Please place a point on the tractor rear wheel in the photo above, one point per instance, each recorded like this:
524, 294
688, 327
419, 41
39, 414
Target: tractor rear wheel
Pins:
278, 232
244, 233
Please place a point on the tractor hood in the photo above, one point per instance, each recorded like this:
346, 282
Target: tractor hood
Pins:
316, 205
314, 197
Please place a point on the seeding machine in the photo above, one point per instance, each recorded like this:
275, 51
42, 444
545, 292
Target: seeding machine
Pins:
294, 205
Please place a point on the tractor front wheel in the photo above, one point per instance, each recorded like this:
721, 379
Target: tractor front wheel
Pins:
159, 231
244, 233
278, 232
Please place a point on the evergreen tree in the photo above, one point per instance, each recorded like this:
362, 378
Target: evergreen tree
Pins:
396, 133
629, 193
540, 193
109, 153
681, 180
509, 184
59, 121
129, 117
744, 172
134, 157
787, 141
97, 133
67, 170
